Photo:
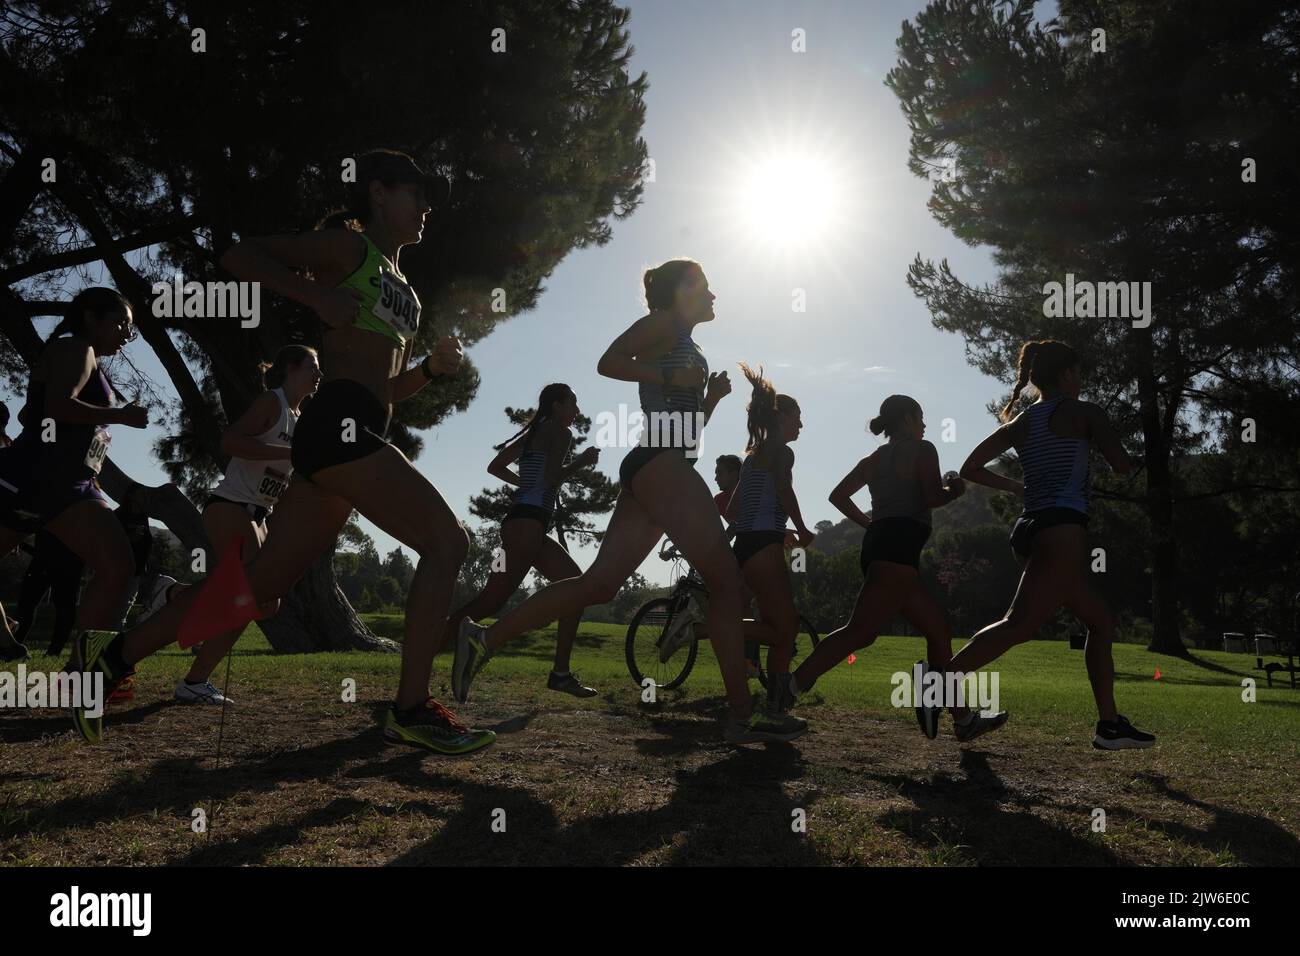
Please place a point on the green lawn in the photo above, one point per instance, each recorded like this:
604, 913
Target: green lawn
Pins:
304, 777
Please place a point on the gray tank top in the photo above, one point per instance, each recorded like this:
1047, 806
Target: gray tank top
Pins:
894, 497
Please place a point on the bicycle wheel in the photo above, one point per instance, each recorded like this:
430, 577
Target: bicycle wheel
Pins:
642, 647
805, 627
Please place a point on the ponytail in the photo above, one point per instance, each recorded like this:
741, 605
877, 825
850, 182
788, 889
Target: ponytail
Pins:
555, 392
1024, 365
340, 219
291, 356
1040, 364
765, 408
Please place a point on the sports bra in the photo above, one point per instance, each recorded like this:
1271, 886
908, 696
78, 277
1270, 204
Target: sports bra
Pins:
389, 305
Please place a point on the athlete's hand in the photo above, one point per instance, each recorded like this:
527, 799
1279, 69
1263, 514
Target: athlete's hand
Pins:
134, 416
588, 457
719, 385
338, 308
806, 538
446, 355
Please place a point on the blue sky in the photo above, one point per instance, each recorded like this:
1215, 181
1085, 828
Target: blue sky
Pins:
726, 95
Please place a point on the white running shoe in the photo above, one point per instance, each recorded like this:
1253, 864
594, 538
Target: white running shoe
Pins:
157, 598
204, 693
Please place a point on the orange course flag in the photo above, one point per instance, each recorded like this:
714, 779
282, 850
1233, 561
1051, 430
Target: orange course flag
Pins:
224, 602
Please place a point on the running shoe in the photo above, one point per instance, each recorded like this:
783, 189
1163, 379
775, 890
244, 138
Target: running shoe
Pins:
978, 725
1119, 734
471, 655
433, 727
88, 658
201, 693
762, 727
927, 717
125, 690
569, 684
157, 598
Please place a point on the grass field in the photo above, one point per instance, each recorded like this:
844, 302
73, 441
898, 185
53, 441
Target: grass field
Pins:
306, 779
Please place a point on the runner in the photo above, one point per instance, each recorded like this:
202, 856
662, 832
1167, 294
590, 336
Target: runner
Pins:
258, 444
759, 509
48, 475
903, 476
541, 447
661, 492
340, 458
1053, 438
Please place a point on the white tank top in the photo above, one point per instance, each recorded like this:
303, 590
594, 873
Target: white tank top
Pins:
249, 482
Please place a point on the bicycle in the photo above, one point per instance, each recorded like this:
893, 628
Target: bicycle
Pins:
663, 628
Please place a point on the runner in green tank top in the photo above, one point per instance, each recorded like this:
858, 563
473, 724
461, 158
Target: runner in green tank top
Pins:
341, 458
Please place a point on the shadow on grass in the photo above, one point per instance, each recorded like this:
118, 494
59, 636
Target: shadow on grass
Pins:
28, 727
1250, 838
732, 810
983, 822
1216, 668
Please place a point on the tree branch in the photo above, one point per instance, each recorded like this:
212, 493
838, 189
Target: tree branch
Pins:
93, 253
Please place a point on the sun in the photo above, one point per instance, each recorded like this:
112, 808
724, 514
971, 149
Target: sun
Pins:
788, 198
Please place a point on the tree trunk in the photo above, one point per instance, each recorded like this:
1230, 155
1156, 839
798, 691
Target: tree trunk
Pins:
316, 616
1165, 638
165, 502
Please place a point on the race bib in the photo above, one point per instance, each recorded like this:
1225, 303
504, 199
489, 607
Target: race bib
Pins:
272, 487
397, 307
98, 450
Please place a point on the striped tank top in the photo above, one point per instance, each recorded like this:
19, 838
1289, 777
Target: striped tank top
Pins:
760, 508
892, 496
672, 412
1056, 469
532, 475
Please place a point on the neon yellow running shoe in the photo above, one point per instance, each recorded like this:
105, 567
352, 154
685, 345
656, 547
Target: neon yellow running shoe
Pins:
433, 727
88, 661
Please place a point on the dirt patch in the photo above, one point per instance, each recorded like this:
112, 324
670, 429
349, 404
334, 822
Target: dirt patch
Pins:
302, 781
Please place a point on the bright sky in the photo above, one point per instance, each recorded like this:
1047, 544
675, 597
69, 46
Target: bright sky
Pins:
750, 141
